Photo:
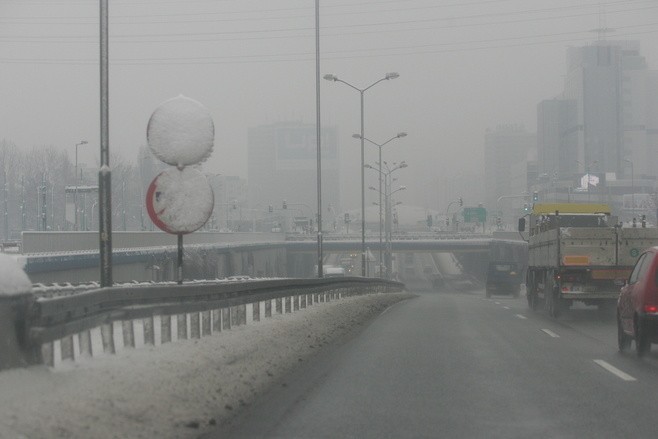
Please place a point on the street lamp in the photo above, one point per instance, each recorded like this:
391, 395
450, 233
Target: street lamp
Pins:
632, 187
75, 193
334, 78
380, 145
387, 197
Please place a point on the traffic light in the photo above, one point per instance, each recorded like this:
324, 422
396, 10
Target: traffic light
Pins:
461, 201
526, 207
535, 196
499, 221
447, 222
271, 208
347, 217
285, 204
235, 205
429, 220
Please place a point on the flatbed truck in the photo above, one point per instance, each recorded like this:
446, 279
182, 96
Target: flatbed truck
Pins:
577, 252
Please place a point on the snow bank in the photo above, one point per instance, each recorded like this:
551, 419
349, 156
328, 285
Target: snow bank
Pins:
177, 390
13, 279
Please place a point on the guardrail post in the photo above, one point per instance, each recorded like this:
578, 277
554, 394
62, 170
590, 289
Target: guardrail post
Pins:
216, 320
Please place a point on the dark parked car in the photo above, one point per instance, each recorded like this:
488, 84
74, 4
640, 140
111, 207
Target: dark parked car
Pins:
503, 278
637, 307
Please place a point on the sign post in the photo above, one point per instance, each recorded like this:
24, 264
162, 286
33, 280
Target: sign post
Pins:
180, 199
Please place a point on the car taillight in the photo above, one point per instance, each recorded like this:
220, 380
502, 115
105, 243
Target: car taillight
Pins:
651, 309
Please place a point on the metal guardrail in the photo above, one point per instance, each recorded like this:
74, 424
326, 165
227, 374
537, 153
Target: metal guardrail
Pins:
42, 326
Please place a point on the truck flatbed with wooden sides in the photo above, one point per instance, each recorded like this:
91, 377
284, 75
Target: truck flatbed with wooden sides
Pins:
578, 252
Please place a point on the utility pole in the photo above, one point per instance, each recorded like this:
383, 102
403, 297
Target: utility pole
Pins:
44, 216
6, 205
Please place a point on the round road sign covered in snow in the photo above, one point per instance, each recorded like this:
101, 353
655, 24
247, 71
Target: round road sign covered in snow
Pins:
180, 201
181, 132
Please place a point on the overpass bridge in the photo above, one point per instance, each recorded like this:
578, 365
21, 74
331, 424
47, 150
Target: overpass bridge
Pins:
60, 257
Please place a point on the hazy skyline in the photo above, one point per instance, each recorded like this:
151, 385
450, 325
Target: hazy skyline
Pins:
464, 66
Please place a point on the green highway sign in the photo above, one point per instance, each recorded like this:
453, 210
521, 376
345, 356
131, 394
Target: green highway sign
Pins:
474, 214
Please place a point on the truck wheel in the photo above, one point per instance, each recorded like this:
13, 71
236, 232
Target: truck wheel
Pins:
623, 340
642, 343
553, 300
531, 291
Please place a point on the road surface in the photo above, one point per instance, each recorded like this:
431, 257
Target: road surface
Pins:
459, 365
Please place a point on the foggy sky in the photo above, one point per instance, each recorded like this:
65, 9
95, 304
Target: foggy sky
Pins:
464, 66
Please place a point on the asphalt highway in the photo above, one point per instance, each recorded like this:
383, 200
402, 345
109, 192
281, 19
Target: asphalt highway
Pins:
458, 365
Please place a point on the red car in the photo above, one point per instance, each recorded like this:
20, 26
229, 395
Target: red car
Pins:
637, 307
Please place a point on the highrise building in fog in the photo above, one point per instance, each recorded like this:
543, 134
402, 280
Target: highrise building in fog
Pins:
605, 122
506, 153
557, 140
611, 86
282, 165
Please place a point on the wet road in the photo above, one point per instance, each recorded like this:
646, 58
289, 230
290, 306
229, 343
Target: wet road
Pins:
459, 365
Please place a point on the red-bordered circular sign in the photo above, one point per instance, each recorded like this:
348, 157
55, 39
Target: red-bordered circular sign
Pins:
180, 201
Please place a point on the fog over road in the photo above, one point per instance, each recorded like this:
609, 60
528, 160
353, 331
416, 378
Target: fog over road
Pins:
460, 365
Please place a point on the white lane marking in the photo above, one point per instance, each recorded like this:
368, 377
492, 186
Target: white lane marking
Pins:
551, 333
497, 303
521, 316
506, 307
613, 370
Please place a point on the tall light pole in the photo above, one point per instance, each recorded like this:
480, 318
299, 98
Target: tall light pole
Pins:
380, 145
387, 195
318, 136
75, 193
105, 173
361, 91
632, 187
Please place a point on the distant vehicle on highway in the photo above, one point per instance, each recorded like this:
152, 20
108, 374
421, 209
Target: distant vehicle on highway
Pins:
637, 307
503, 278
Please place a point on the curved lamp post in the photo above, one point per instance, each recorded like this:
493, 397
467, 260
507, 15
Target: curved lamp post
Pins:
380, 145
334, 78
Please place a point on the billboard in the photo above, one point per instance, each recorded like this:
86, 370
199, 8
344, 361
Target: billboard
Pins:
642, 202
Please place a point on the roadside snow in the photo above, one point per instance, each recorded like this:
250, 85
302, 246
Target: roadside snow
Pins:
177, 390
13, 279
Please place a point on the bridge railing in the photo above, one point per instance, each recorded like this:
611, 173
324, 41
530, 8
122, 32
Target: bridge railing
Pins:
396, 236
50, 330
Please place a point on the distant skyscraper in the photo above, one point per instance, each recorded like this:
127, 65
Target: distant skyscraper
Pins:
610, 83
557, 140
506, 152
605, 123
282, 165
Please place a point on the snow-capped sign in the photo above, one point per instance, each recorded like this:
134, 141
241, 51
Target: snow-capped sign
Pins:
181, 132
180, 201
